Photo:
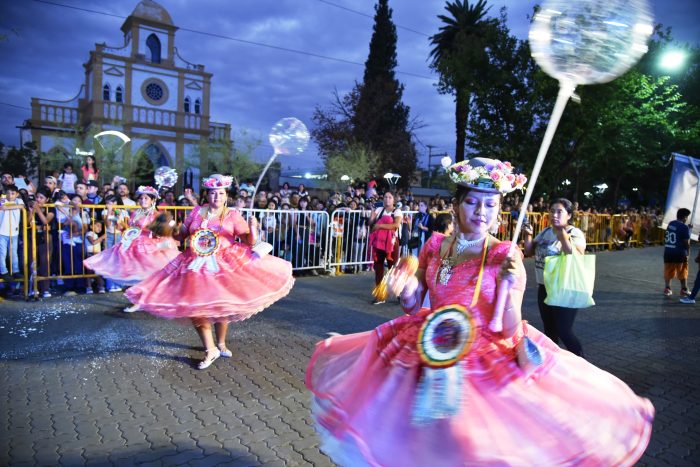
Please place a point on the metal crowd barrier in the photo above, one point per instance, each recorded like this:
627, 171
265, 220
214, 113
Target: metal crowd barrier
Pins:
13, 244
310, 240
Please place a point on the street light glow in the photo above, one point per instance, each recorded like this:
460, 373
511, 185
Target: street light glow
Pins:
345, 178
672, 60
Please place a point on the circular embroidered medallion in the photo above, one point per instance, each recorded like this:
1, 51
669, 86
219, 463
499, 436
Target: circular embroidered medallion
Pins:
446, 336
205, 242
129, 235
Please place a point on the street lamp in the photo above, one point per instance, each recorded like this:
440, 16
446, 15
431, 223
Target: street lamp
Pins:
344, 178
672, 60
391, 179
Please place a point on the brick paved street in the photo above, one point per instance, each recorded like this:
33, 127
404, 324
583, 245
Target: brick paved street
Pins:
84, 383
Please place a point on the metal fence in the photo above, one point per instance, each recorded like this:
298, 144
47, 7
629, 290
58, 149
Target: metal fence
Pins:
311, 240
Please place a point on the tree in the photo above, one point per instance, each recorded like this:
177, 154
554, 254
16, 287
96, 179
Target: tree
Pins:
20, 161
503, 106
460, 56
381, 119
371, 116
356, 161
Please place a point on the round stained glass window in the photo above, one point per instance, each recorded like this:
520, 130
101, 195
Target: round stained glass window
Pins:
154, 91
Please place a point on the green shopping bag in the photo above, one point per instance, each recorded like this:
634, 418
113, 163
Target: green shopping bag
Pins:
569, 280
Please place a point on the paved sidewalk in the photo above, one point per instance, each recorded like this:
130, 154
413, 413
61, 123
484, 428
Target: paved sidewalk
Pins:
84, 383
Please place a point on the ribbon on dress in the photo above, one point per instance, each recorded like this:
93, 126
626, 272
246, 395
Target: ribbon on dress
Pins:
204, 261
438, 395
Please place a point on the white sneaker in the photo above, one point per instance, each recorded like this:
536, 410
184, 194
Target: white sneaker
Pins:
687, 300
46, 294
69, 293
115, 289
131, 309
102, 290
89, 291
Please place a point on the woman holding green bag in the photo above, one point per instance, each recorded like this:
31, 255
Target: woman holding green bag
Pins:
559, 238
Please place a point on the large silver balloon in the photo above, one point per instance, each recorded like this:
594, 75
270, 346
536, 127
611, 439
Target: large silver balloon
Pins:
289, 136
590, 41
165, 177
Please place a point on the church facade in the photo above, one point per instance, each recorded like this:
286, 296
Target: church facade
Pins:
143, 89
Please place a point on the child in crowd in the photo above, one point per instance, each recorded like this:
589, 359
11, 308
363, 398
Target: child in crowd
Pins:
10, 216
93, 246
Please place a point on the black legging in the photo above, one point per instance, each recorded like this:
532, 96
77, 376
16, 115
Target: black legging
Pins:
558, 323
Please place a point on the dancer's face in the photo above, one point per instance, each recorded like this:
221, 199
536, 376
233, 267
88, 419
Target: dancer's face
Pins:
145, 201
217, 197
477, 212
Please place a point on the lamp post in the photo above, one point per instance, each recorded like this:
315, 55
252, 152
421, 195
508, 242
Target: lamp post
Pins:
391, 179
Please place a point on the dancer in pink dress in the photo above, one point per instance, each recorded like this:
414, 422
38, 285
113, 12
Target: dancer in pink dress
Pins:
437, 387
218, 279
140, 253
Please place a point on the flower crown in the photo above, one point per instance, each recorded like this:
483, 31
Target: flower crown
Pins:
147, 190
217, 181
487, 175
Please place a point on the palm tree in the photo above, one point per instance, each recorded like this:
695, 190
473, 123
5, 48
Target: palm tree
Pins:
460, 56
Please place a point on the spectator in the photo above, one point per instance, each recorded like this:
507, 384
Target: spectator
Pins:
421, 228
248, 186
72, 245
676, 251
89, 169
123, 195
81, 189
44, 222
301, 191
7, 179
93, 246
285, 191
385, 222
443, 225
93, 194
371, 190
10, 216
67, 179
51, 184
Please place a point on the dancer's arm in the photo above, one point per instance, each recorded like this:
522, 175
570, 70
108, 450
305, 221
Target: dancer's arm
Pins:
513, 270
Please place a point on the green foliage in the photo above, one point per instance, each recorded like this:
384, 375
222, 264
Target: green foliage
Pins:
20, 161
234, 157
356, 161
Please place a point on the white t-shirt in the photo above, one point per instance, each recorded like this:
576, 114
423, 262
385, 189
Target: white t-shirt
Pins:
10, 218
92, 248
549, 245
68, 182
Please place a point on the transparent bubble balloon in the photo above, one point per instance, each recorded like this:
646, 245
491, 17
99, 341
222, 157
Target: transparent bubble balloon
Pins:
165, 176
289, 136
108, 138
590, 41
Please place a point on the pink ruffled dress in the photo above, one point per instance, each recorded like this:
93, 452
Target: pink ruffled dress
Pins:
232, 284
129, 263
565, 412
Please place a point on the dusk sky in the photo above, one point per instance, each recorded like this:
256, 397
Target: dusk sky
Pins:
254, 86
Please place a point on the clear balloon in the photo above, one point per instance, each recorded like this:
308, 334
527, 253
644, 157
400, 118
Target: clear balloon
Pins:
101, 139
165, 177
590, 41
289, 137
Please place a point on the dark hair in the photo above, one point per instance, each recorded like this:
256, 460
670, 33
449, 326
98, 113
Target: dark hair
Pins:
12, 188
442, 221
68, 164
682, 213
45, 192
94, 162
566, 204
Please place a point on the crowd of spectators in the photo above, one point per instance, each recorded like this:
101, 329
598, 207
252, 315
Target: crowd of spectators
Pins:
292, 219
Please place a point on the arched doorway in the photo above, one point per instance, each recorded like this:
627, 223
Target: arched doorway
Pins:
152, 157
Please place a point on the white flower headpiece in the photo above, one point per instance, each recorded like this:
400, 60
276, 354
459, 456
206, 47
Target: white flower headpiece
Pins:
217, 181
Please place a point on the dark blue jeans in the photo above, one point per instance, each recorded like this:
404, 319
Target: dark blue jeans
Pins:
558, 323
696, 286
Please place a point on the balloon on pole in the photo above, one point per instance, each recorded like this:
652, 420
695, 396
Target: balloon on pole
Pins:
579, 42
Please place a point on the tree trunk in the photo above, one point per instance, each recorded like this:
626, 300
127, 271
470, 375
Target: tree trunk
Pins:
461, 114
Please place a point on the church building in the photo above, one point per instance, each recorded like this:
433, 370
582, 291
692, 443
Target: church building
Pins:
143, 89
